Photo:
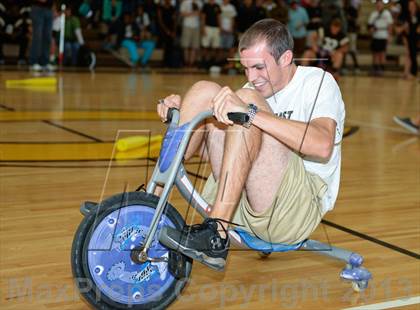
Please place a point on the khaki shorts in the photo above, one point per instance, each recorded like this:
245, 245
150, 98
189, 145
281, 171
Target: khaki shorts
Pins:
190, 37
211, 37
295, 212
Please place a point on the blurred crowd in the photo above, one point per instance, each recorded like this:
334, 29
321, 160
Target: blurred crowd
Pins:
196, 33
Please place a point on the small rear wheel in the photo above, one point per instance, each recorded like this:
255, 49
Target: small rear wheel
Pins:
264, 255
105, 252
359, 286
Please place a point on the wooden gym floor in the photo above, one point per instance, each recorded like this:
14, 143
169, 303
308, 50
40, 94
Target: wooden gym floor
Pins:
55, 146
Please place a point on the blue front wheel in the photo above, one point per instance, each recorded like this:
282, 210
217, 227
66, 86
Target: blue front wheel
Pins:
105, 252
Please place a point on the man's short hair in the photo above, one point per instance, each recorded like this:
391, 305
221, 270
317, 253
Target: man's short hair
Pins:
274, 33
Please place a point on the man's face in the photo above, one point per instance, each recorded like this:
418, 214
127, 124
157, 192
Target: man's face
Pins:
261, 69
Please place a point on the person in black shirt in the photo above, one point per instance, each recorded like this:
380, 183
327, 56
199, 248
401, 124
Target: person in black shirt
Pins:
352, 13
210, 40
315, 15
166, 18
260, 11
246, 16
42, 18
331, 44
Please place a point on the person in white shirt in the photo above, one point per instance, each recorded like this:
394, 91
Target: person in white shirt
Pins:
227, 26
278, 174
379, 23
190, 36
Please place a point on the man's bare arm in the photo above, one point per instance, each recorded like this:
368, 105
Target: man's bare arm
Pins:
318, 141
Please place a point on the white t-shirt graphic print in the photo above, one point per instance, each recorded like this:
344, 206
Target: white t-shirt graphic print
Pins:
295, 102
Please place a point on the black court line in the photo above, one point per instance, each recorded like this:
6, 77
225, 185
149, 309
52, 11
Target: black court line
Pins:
3, 106
372, 239
72, 131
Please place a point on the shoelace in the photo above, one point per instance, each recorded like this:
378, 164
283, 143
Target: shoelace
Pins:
206, 223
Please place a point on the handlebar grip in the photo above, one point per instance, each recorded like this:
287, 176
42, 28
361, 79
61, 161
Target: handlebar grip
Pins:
169, 115
238, 117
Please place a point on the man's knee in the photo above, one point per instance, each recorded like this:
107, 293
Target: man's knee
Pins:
206, 87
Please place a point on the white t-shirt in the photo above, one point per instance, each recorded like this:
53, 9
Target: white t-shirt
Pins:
227, 17
186, 7
295, 102
381, 22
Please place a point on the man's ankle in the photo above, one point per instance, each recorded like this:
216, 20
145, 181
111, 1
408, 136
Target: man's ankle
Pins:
222, 230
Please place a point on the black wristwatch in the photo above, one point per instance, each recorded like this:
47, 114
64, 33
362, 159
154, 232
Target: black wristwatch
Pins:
252, 111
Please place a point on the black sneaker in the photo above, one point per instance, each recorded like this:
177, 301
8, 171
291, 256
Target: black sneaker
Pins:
201, 242
407, 124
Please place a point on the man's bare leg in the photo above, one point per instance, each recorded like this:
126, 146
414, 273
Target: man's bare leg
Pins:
234, 148
244, 155
197, 99
247, 162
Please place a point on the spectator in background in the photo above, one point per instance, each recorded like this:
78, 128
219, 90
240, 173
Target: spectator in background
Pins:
351, 9
210, 33
150, 7
166, 17
146, 41
332, 9
14, 28
315, 18
260, 11
227, 27
129, 36
42, 18
411, 35
379, 23
298, 20
269, 6
142, 20
280, 12
111, 12
90, 10
73, 37
246, 16
190, 37
329, 43
396, 10
3, 18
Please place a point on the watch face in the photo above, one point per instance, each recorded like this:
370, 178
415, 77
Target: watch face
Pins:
253, 107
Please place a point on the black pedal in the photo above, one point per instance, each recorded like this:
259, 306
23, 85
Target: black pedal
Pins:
177, 264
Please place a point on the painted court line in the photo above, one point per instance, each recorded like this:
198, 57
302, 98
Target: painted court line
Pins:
21, 116
389, 304
375, 126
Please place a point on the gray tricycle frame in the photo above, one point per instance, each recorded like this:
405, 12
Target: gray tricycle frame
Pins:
176, 174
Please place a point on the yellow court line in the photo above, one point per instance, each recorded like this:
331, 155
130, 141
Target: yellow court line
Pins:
72, 151
77, 115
